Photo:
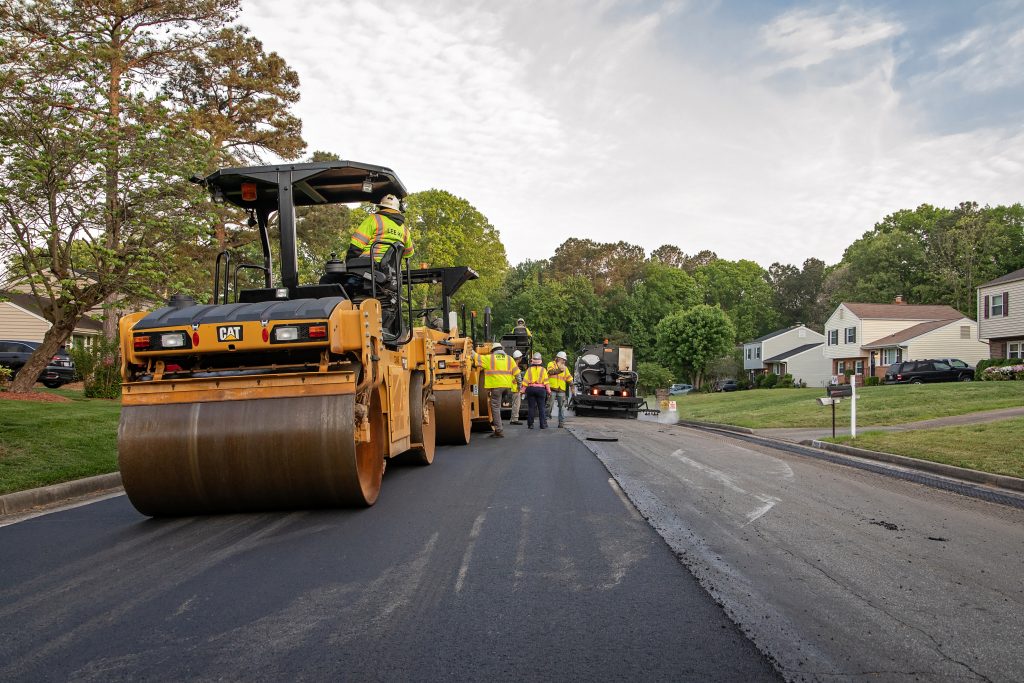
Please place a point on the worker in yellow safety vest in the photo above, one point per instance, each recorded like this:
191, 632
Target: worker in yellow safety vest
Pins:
520, 329
536, 389
560, 381
387, 225
501, 374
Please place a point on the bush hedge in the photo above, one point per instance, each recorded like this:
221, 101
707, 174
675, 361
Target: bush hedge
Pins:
100, 368
986, 363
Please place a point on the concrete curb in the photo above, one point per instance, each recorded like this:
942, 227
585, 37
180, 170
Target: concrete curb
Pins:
715, 425
23, 501
975, 476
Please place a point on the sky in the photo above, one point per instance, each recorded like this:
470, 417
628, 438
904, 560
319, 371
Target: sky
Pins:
758, 129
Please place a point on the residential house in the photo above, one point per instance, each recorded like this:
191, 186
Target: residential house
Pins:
999, 325
757, 353
807, 364
20, 318
866, 338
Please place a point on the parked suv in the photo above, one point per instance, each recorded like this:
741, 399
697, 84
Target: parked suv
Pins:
929, 370
14, 353
680, 389
726, 385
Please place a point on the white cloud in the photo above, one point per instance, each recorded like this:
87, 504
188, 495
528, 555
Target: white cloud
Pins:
598, 120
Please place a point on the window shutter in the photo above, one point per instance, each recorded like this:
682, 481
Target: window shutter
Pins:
986, 306
1006, 304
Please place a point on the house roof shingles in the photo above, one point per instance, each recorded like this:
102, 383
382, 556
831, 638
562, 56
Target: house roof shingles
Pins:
903, 311
1009, 277
792, 352
28, 302
776, 333
909, 333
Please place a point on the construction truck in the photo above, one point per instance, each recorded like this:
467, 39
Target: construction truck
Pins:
292, 395
606, 382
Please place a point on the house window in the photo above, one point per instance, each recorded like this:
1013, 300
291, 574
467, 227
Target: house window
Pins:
965, 331
996, 307
858, 368
748, 353
890, 356
757, 352
841, 367
1015, 349
851, 335
833, 337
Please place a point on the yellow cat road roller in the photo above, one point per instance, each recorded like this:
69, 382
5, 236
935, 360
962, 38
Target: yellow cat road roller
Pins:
292, 396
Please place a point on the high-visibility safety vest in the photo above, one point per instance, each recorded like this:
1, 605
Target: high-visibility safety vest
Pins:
536, 376
379, 227
501, 370
558, 379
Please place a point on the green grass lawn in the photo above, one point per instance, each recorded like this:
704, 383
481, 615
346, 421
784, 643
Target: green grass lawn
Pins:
996, 447
881, 405
48, 443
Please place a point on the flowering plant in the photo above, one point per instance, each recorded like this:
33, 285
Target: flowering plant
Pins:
1004, 372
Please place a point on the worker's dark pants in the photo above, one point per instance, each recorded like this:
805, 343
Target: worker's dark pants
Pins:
535, 397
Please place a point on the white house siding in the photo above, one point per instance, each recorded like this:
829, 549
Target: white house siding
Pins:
1000, 327
945, 342
17, 323
811, 367
790, 339
840, 319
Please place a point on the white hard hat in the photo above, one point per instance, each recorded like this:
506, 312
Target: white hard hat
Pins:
495, 346
520, 322
517, 354
537, 356
390, 201
561, 354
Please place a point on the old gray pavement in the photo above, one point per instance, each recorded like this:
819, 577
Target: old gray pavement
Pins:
837, 573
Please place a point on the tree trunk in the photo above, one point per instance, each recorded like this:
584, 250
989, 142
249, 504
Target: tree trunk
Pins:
57, 335
110, 317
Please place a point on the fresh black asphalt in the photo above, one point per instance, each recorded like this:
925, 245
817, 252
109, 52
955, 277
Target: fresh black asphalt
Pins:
511, 559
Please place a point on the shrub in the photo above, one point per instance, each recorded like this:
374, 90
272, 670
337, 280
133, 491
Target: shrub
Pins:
5, 377
99, 366
743, 383
1003, 372
986, 363
785, 382
758, 381
871, 381
652, 376
770, 380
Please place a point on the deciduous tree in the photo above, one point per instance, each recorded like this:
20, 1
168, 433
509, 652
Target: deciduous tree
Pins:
690, 341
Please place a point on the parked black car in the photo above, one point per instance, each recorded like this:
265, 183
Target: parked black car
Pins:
929, 370
14, 353
726, 385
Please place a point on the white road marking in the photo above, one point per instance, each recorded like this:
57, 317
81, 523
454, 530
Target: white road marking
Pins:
474, 533
769, 503
717, 475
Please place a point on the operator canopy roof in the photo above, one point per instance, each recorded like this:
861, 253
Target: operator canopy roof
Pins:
322, 182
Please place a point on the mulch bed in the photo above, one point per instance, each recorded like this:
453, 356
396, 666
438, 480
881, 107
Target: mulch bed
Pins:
38, 396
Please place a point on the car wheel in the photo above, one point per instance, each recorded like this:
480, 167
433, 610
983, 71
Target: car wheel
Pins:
915, 381
52, 384
966, 378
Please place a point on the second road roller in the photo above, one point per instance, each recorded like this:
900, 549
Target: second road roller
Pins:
289, 395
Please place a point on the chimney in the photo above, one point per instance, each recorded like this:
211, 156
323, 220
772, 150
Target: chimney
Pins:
899, 299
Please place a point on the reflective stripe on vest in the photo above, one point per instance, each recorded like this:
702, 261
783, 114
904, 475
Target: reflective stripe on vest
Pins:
536, 376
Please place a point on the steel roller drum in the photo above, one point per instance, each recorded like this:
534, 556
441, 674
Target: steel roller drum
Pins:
454, 418
249, 455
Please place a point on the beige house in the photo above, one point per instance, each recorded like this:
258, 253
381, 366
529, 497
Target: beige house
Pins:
21, 319
999, 325
775, 351
866, 338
